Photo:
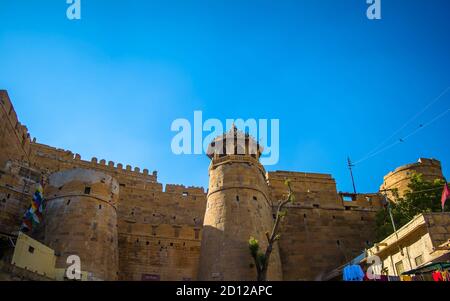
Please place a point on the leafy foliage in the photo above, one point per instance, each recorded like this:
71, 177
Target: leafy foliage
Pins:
253, 245
257, 254
422, 196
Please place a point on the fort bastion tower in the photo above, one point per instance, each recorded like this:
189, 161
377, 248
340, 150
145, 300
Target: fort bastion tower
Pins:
238, 207
81, 219
401, 176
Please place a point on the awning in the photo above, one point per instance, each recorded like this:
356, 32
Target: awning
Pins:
428, 268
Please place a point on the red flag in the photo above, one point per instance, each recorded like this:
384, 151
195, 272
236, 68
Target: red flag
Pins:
445, 195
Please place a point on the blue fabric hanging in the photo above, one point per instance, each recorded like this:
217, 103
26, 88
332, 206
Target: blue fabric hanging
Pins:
353, 272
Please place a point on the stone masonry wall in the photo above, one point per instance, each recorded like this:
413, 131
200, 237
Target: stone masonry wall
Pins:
321, 230
160, 233
14, 137
17, 184
16, 178
175, 215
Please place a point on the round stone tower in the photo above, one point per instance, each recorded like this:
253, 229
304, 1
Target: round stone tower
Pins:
238, 207
401, 176
80, 219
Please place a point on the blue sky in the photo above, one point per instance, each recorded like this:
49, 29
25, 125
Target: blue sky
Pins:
111, 84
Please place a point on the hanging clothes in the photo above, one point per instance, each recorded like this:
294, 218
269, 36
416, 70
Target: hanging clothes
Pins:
353, 272
437, 276
445, 276
375, 277
417, 278
383, 278
405, 278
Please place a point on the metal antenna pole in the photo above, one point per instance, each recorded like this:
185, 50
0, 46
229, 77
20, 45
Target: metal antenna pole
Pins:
350, 165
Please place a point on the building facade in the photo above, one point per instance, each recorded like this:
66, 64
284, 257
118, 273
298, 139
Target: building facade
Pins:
423, 240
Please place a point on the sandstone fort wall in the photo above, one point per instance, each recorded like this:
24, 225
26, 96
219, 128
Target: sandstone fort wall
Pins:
144, 231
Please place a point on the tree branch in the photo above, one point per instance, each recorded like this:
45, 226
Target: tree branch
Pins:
274, 235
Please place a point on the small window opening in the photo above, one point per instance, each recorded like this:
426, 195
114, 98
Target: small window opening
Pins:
347, 198
31, 249
418, 260
237, 198
87, 190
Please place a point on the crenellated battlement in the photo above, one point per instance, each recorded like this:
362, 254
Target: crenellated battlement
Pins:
361, 200
297, 176
184, 190
422, 162
43, 151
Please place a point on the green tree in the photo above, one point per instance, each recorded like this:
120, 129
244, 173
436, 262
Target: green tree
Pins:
261, 258
421, 196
